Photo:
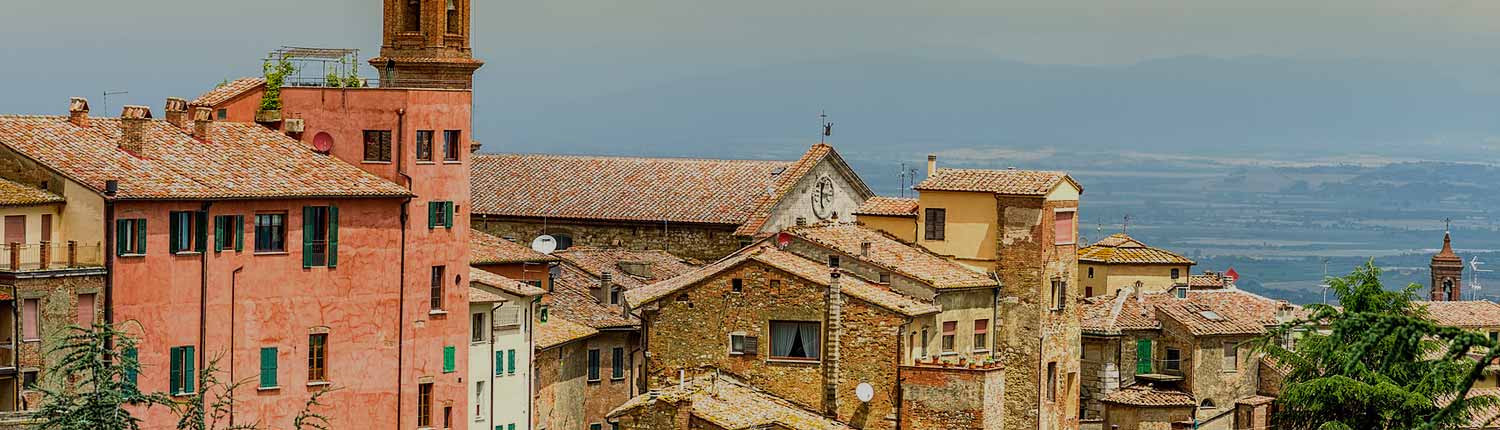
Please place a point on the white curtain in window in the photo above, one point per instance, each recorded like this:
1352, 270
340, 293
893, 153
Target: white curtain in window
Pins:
809, 335
782, 335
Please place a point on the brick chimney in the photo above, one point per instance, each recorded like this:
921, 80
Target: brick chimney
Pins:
202, 118
177, 113
834, 315
78, 111
931, 164
133, 123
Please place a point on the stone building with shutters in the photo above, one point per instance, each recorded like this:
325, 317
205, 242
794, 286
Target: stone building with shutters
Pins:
500, 349
1193, 346
697, 208
1021, 227
1120, 261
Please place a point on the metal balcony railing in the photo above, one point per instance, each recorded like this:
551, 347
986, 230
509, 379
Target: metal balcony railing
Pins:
19, 257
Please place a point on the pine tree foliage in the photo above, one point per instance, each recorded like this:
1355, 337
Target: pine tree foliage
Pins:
211, 408
90, 384
1376, 362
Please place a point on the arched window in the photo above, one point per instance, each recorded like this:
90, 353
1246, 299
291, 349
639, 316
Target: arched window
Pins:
454, 20
411, 16
1207, 404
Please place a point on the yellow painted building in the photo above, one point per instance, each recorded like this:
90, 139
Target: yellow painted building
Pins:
1119, 261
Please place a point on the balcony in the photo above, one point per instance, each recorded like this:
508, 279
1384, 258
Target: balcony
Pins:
1163, 370
26, 257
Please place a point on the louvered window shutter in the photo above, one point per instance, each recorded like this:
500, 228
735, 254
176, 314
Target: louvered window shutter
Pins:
174, 385
188, 361
448, 214
499, 362
752, 345
140, 236
120, 236
219, 233
239, 233
267, 367
448, 359
307, 236
510, 362
132, 356
432, 215
333, 236
175, 233
201, 227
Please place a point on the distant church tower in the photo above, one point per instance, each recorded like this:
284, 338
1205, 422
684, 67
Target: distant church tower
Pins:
1447, 273
426, 45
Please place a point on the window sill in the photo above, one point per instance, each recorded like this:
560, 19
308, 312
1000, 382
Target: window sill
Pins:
733, 353
187, 253
783, 360
318, 383
981, 351
273, 388
423, 162
30, 340
949, 354
453, 162
187, 394
374, 162
437, 312
130, 255
614, 379
594, 381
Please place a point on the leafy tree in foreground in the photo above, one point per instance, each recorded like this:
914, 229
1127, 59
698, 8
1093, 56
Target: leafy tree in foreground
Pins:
1377, 362
92, 382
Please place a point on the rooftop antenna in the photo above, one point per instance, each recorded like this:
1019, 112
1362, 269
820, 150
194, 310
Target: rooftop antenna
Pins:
104, 104
1125, 228
1474, 264
1325, 280
827, 127
902, 175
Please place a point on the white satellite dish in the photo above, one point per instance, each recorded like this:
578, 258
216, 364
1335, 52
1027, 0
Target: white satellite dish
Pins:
544, 244
864, 392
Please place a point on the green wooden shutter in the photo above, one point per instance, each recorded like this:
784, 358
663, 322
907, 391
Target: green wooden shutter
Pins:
132, 363
333, 236
189, 360
140, 236
448, 352
511, 362
239, 233
267, 367
202, 227
448, 214
174, 385
432, 216
499, 362
174, 233
120, 226
307, 236
219, 233
1143, 356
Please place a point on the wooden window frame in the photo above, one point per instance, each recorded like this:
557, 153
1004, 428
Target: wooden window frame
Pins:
935, 224
424, 145
317, 357
381, 142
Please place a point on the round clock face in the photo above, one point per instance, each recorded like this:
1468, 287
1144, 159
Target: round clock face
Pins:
822, 198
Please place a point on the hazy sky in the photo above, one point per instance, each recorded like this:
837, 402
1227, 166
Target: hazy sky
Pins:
545, 52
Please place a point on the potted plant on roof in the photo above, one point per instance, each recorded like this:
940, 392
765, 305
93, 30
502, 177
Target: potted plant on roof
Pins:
270, 101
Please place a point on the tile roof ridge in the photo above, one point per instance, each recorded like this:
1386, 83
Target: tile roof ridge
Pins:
903, 272
620, 157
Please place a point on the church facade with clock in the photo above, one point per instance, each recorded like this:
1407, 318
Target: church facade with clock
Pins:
698, 208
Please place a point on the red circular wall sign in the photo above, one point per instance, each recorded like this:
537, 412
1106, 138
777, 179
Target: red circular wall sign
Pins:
323, 142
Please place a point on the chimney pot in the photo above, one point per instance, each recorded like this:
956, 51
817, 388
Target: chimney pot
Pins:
177, 112
931, 165
133, 121
202, 118
78, 111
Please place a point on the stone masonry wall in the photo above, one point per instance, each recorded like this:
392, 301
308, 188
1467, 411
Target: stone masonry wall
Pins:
58, 302
951, 398
565, 398
1032, 333
701, 241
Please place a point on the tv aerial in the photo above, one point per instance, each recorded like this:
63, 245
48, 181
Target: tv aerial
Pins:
1474, 264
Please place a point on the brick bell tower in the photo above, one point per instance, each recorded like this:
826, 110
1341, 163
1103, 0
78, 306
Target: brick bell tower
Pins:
1447, 273
426, 45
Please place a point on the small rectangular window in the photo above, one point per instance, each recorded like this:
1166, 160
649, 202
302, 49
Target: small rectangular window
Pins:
270, 232
1062, 231
320, 236
1231, 357
31, 319
222, 114
833, 261
28, 380
935, 224
437, 287
439, 214
1052, 381
1173, 360
1176, 273
737, 285
477, 327
1059, 294
451, 149
188, 231
510, 363
180, 370
593, 365
130, 237
1091, 273
499, 363
229, 232
377, 145
950, 331
424, 145
85, 316
736, 343
795, 340
981, 335
317, 357
617, 363
885, 277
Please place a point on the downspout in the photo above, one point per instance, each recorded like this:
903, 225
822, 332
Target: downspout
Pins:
234, 277
203, 298
109, 262
900, 358
400, 157
493, 347
531, 358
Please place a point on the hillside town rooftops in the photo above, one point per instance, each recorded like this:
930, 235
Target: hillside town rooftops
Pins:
628, 268
235, 161
557, 331
884, 250
1207, 280
502, 283
480, 295
1120, 248
808, 270
766, 202
730, 404
1468, 314
1203, 319
1007, 182
1149, 396
228, 91
1229, 311
485, 248
888, 206
14, 194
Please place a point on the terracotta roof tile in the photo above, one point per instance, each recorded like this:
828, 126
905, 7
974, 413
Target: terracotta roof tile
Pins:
1206, 320
485, 248
892, 254
621, 188
238, 161
766, 202
557, 331
730, 404
227, 91
1206, 280
14, 194
888, 206
1468, 314
1148, 396
1119, 248
572, 298
480, 295
809, 270
1242, 312
619, 263
1009, 182
502, 283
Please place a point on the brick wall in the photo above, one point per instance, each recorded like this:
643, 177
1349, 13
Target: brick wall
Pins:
701, 241
935, 397
58, 305
565, 398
